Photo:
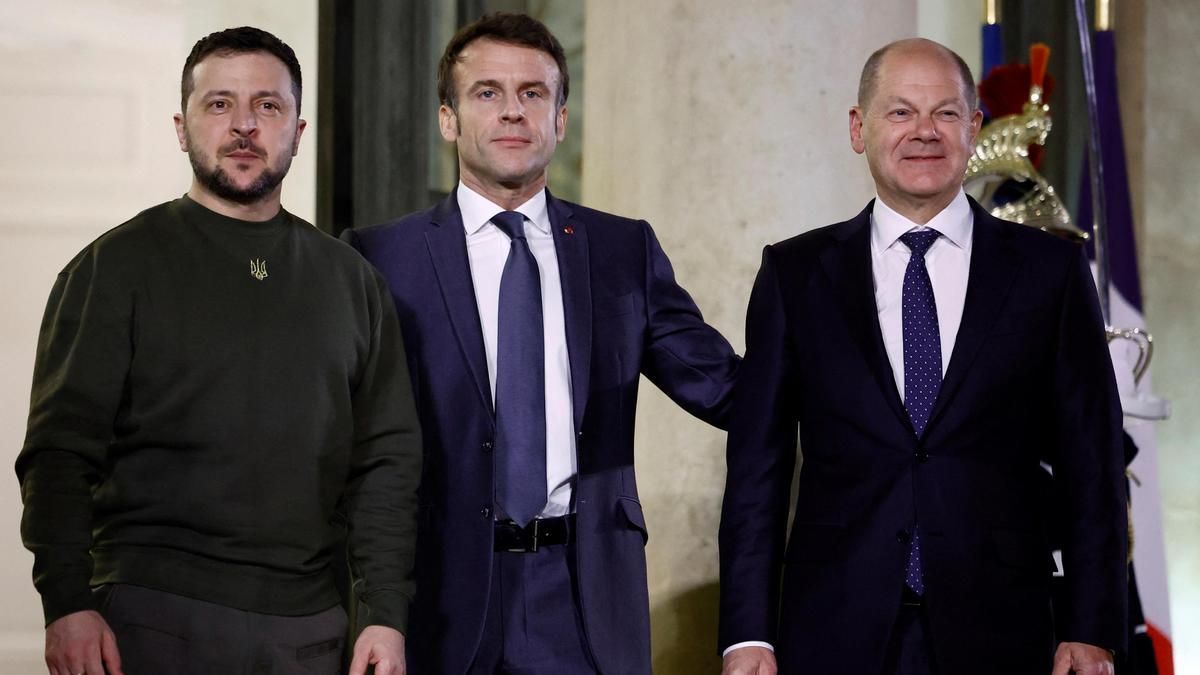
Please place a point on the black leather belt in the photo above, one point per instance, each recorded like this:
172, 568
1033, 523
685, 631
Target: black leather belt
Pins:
909, 598
513, 538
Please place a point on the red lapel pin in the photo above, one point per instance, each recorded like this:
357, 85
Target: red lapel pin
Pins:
569, 230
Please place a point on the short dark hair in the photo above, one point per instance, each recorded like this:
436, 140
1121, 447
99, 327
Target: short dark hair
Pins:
517, 29
243, 40
869, 80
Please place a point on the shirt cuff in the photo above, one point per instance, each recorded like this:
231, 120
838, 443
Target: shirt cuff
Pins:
384, 608
750, 643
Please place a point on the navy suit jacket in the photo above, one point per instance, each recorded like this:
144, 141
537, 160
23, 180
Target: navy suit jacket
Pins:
1029, 380
625, 316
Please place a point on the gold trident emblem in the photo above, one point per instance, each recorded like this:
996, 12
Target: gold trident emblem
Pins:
258, 268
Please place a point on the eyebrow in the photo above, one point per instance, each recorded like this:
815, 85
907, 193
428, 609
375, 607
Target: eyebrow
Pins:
946, 101
499, 85
229, 93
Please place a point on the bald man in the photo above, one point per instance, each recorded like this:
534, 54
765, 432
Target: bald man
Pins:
932, 358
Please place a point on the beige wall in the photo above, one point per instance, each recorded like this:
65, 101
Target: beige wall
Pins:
88, 93
1170, 244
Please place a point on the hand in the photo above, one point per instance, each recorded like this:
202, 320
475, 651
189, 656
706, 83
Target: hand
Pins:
1082, 659
381, 647
81, 643
749, 661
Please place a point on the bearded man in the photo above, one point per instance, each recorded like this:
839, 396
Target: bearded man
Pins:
219, 392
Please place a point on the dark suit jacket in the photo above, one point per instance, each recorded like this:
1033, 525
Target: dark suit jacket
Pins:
625, 316
1029, 379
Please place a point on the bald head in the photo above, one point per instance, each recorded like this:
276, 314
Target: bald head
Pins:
869, 81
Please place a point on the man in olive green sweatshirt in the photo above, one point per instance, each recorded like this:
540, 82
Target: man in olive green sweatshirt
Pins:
220, 391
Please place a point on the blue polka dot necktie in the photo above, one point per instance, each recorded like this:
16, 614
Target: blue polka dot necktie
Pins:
520, 380
922, 362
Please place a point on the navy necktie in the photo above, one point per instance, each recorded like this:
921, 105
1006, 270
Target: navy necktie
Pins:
520, 380
922, 362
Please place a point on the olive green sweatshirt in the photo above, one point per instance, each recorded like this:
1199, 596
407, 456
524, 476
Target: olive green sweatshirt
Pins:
214, 401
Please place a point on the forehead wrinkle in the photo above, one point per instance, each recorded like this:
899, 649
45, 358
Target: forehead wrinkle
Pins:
482, 55
950, 100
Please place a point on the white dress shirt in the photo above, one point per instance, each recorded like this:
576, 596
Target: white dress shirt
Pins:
487, 249
948, 261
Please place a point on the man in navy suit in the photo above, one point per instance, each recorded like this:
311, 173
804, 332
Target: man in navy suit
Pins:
527, 322
933, 357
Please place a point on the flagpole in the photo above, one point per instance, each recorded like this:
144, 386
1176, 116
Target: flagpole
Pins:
991, 44
991, 12
1104, 14
1096, 162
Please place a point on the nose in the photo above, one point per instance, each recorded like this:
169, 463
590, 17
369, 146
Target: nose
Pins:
244, 122
513, 109
925, 129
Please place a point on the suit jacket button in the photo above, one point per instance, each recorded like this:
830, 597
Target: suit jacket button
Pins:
485, 512
902, 536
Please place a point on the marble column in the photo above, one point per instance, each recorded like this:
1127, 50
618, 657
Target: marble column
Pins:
1170, 247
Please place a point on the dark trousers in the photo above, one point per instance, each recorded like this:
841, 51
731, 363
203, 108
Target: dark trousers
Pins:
533, 622
159, 633
909, 651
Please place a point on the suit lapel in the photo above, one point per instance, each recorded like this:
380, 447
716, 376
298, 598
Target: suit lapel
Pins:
447, 244
574, 273
994, 264
848, 265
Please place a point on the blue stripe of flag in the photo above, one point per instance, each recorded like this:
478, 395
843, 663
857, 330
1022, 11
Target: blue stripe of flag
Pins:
1118, 206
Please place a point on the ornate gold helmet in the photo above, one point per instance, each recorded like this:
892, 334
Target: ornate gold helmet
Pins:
1001, 160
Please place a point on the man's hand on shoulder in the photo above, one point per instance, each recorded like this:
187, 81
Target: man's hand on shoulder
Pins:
81, 643
381, 647
749, 661
1082, 659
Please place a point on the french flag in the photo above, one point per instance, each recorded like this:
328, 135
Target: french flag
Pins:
1150, 644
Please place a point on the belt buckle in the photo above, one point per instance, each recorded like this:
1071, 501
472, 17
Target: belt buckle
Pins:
526, 539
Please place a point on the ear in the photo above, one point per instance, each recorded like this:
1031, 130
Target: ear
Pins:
181, 131
448, 123
560, 124
976, 125
857, 141
301, 125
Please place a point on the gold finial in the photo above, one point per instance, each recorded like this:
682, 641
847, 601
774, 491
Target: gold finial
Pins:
1104, 14
991, 12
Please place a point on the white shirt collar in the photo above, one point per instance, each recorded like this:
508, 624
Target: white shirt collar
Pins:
477, 210
954, 223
